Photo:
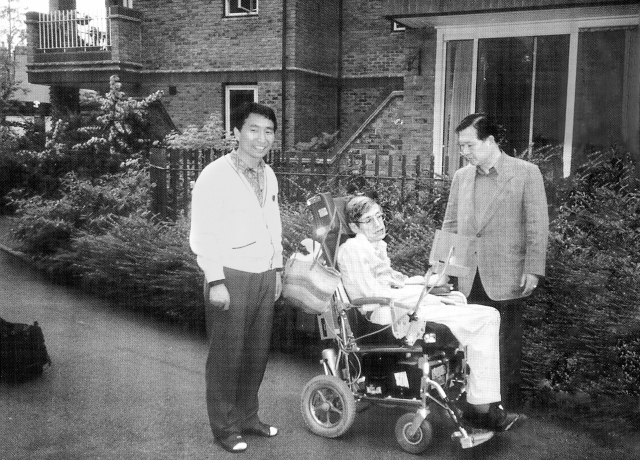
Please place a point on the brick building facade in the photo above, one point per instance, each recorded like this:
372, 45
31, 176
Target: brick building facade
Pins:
290, 53
328, 65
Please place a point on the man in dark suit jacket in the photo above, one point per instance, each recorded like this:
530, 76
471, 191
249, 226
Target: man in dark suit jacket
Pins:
500, 202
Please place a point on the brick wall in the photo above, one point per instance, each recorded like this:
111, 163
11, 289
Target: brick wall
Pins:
381, 136
207, 50
373, 61
358, 100
126, 38
370, 48
201, 38
419, 94
316, 26
315, 107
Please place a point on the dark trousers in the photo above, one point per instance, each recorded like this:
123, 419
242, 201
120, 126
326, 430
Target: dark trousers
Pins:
510, 340
239, 340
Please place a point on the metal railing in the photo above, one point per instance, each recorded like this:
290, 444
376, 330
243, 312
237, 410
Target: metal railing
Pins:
72, 29
174, 172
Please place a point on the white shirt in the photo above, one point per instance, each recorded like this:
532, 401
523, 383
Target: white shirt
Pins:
366, 272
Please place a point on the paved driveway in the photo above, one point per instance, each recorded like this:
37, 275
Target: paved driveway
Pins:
124, 386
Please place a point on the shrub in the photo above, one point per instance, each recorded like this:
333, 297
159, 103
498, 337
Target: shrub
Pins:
46, 226
211, 135
143, 264
583, 326
296, 226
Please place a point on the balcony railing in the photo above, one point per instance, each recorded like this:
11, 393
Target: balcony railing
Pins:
72, 29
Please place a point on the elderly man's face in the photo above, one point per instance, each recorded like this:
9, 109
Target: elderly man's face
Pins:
475, 151
371, 224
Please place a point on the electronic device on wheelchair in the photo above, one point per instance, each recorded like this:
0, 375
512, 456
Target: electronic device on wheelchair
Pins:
374, 364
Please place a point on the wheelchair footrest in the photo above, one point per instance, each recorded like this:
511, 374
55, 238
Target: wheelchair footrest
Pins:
473, 438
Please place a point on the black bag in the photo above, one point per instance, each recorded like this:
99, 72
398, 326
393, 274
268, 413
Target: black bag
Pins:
22, 351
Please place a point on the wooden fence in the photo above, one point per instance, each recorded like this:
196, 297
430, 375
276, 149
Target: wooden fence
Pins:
300, 174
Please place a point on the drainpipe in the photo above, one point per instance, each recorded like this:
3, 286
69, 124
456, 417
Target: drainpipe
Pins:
339, 86
283, 124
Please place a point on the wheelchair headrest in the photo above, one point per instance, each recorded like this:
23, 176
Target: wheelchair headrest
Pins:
329, 222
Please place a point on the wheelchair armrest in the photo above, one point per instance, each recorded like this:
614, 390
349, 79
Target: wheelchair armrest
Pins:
370, 300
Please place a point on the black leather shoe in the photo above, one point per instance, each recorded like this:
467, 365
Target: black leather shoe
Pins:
498, 419
262, 429
233, 443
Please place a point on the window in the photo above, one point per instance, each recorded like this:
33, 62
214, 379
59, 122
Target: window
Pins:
241, 7
397, 27
561, 84
126, 3
235, 95
603, 109
520, 80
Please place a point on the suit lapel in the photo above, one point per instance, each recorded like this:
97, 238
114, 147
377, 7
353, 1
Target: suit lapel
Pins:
497, 199
467, 192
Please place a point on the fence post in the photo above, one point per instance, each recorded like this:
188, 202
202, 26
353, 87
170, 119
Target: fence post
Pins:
403, 172
174, 158
186, 189
157, 175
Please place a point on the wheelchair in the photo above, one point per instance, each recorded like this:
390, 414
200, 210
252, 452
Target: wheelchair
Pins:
373, 364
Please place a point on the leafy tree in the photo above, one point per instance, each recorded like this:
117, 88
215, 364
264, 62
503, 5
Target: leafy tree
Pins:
111, 130
12, 34
117, 130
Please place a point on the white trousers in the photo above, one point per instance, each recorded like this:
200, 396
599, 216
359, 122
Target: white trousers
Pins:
476, 327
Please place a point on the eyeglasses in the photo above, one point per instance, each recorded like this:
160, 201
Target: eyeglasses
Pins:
369, 220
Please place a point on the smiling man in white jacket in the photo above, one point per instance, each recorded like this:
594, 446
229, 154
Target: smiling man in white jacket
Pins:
236, 234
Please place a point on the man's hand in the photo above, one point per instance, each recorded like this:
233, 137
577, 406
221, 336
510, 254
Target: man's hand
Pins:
219, 297
278, 285
434, 280
529, 282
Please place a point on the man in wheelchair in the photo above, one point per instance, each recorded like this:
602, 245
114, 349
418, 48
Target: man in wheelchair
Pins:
366, 272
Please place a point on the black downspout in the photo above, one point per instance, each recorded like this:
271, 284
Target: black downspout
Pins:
283, 124
339, 85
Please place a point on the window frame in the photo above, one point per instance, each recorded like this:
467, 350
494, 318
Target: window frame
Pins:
498, 29
397, 27
228, 13
227, 101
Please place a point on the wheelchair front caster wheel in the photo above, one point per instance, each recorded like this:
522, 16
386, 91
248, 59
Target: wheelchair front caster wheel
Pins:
328, 406
419, 441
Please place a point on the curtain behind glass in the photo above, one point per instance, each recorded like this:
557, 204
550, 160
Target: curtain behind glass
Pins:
457, 99
604, 113
631, 93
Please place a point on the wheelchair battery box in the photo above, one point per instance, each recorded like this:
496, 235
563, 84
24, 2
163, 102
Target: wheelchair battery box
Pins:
390, 375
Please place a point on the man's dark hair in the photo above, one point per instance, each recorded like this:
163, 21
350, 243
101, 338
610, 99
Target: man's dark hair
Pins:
484, 125
247, 108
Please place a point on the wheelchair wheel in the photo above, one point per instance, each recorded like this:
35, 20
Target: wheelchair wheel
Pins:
417, 443
328, 406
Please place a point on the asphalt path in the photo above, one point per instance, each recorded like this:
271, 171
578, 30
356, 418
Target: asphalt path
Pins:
126, 386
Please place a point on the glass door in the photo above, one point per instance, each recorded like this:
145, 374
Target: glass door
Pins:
522, 81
